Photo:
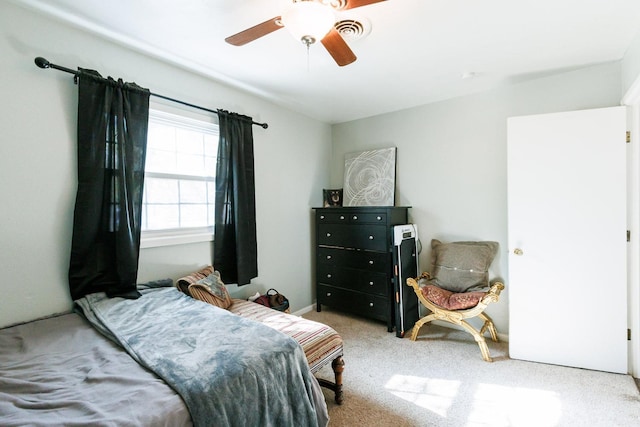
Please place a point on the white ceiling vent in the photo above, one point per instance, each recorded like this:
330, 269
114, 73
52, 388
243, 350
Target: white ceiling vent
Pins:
351, 29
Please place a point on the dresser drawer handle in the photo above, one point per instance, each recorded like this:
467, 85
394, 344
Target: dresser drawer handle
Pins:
328, 276
328, 256
370, 237
370, 283
370, 304
328, 234
328, 294
379, 218
370, 262
355, 217
341, 216
321, 216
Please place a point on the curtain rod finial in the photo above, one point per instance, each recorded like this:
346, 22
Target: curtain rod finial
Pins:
41, 62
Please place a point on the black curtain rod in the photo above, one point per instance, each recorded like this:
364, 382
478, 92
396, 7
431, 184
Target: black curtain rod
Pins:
43, 63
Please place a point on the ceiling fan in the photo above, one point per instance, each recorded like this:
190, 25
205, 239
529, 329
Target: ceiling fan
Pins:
308, 21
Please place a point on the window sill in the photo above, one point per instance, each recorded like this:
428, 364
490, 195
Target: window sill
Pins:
155, 241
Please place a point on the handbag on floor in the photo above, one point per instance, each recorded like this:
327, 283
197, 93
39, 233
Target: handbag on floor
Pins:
273, 299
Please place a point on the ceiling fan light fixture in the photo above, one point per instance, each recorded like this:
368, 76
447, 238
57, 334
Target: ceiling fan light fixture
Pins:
308, 21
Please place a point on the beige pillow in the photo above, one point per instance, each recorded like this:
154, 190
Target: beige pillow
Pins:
462, 266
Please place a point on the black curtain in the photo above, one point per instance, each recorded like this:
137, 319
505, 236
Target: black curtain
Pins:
235, 253
112, 139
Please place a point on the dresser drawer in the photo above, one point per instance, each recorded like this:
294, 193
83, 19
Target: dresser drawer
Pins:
370, 237
370, 261
335, 256
341, 217
353, 280
362, 260
368, 218
336, 275
372, 306
331, 217
373, 283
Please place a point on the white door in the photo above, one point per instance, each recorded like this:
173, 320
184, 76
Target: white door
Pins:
567, 239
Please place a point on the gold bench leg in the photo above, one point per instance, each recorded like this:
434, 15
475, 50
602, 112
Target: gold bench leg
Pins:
419, 324
479, 339
488, 325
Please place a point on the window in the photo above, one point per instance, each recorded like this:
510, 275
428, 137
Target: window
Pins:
179, 187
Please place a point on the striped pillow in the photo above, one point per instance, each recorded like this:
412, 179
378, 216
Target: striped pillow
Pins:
183, 283
212, 290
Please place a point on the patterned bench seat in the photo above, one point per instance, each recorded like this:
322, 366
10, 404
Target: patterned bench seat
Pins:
321, 344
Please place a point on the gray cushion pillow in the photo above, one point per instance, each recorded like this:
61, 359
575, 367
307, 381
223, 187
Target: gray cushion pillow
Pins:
462, 266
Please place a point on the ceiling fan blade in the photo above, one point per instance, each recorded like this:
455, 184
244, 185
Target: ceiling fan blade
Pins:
351, 4
338, 48
255, 32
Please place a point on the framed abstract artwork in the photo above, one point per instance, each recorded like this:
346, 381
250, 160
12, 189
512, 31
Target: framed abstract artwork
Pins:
370, 178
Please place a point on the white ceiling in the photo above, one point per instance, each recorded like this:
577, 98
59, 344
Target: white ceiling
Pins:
416, 51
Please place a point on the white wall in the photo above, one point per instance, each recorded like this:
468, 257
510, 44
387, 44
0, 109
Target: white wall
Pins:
38, 167
451, 164
631, 67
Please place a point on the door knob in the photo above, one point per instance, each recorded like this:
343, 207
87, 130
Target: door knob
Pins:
518, 251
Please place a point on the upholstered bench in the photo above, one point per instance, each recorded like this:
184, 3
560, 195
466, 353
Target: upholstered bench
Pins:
321, 344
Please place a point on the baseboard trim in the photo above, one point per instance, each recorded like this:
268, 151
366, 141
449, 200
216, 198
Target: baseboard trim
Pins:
304, 310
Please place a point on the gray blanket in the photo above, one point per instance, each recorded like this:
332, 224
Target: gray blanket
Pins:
230, 371
60, 371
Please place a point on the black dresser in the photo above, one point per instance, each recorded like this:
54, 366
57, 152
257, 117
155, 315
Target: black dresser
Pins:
354, 259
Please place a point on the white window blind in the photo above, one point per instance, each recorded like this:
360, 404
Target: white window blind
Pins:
179, 189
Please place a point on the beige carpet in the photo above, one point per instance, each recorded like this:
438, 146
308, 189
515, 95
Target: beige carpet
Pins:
441, 380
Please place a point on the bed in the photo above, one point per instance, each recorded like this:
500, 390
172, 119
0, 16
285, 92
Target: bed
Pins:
162, 359
61, 371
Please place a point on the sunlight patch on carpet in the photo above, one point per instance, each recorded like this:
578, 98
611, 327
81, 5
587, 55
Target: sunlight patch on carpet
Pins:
486, 404
498, 405
436, 395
